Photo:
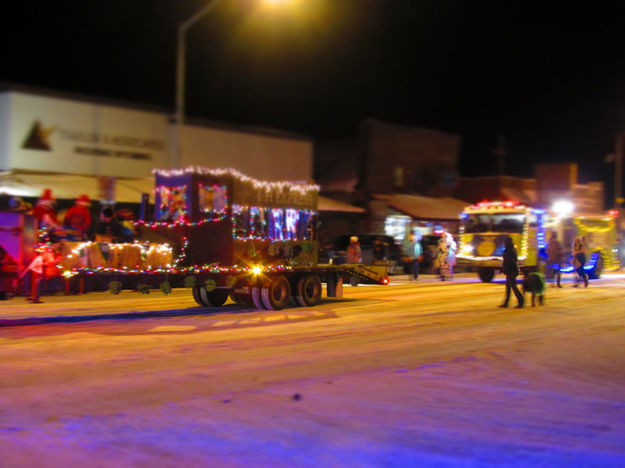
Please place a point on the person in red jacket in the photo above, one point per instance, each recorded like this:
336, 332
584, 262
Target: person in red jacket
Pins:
44, 211
79, 217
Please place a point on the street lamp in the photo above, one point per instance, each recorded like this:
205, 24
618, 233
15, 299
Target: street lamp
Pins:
180, 75
180, 71
563, 208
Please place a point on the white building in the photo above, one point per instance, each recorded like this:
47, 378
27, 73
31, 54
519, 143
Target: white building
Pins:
76, 145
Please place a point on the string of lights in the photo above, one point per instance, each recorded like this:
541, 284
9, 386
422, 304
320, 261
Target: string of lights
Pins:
267, 185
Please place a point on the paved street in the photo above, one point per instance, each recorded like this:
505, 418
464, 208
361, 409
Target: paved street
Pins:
411, 374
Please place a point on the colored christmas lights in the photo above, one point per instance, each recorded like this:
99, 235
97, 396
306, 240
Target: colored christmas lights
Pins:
234, 173
196, 269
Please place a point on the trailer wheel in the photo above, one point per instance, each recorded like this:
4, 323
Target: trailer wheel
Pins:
197, 297
486, 274
308, 290
276, 296
214, 298
244, 299
257, 298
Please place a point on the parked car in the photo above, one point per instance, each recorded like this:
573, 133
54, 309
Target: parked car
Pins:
430, 250
337, 248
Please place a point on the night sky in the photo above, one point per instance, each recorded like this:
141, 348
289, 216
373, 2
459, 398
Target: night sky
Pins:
549, 76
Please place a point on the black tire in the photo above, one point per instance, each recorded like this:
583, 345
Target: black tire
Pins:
486, 274
277, 294
308, 291
257, 298
196, 296
214, 298
243, 299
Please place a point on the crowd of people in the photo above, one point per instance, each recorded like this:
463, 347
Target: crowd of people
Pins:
77, 223
554, 258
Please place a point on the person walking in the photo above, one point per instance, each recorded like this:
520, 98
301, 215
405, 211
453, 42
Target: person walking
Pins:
579, 260
446, 256
511, 270
354, 253
554, 257
415, 253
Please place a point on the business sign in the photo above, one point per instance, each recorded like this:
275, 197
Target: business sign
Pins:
57, 135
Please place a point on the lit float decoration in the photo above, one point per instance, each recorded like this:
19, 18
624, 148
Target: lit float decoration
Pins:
224, 235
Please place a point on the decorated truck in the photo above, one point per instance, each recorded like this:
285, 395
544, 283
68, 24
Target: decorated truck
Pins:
222, 234
484, 226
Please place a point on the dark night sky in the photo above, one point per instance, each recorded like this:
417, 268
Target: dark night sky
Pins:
548, 75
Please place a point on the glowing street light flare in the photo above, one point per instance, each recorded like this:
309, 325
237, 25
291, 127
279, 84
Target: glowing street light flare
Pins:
563, 207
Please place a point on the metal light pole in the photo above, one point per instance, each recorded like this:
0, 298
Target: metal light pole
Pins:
618, 170
180, 77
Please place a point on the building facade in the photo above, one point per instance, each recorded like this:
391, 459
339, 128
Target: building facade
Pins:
553, 182
53, 133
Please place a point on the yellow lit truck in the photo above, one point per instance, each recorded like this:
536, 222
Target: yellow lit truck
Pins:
484, 226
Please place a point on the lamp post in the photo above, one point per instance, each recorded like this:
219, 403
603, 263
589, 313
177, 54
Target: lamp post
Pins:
618, 170
180, 76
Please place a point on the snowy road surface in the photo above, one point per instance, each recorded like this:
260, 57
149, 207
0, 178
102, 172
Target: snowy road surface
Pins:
406, 375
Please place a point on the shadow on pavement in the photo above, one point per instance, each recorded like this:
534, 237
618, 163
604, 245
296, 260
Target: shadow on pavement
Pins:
231, 316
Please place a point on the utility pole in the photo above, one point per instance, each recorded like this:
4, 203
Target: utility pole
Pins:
181, 52
501, 153
618, 170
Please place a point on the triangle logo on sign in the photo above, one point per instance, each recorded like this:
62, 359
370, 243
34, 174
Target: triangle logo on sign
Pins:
38, 138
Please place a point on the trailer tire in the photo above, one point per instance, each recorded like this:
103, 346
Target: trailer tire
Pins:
196, 296
308, 290
243, 299
486, 274
277, 294
214, 298
257, 297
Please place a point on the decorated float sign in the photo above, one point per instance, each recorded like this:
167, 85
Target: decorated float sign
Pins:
275, 195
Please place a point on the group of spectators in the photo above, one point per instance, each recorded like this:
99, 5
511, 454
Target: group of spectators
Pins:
77, 224
443, 263
554, 259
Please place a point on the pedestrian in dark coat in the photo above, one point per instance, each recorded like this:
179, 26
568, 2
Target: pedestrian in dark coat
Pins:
511, 270
579, 260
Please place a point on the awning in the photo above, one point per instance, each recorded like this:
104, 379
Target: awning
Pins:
426, 208
69, 187
328, 204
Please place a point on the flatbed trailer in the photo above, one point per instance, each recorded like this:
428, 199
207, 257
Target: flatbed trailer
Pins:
271, 288
223, 234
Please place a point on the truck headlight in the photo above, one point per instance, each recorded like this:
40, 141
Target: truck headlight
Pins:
467, 249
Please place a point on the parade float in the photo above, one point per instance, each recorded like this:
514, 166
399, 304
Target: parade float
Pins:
222, 234
484, 226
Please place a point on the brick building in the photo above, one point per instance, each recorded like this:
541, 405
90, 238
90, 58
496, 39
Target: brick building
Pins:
553, 182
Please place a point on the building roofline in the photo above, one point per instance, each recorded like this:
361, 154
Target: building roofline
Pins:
7, 87
497, 177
